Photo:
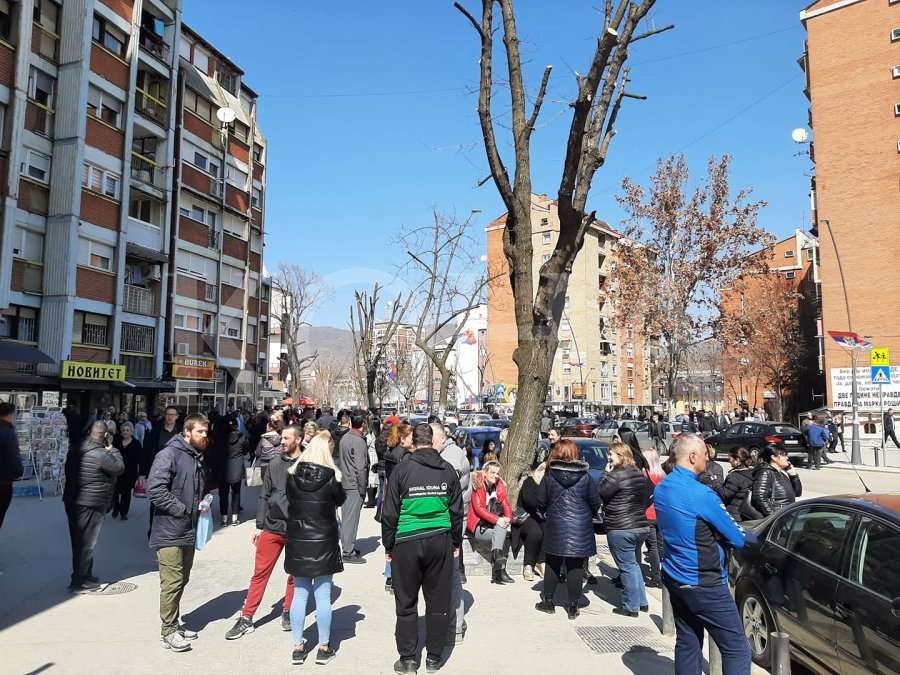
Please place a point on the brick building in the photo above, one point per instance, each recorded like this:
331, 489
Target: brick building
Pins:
599, 361
132, 222
852, 65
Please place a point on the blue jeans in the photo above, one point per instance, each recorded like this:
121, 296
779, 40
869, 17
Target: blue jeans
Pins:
320, 587
625, 546
711, 608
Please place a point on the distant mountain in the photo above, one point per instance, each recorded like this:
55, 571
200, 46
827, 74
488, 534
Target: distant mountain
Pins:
337, 342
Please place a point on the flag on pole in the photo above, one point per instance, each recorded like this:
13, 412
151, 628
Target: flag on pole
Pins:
850, 340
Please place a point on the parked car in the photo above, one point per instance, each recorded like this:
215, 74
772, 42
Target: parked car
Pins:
756, 435
497, 424
607, 431
578, 427
470, 437
473, 419
594, 452
825, 571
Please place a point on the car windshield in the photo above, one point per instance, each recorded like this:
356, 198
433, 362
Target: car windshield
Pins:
784, 429
594, 455
579, 420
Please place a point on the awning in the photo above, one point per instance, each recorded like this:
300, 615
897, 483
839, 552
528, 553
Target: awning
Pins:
161, 385
16, 352
145, 253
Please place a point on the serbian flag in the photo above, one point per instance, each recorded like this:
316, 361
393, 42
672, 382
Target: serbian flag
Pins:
850, 340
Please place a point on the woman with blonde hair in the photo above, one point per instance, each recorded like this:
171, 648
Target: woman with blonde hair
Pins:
310, 429
313, 551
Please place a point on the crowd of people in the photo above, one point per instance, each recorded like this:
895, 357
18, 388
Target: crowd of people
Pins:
317, 470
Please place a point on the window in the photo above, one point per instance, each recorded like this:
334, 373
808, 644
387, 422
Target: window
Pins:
101, 180
41, 87
240, 130
545, 258
197, 104
630, 372
90, 329
546, 237
790, 275
37, 166
46, 13
28, 245
789, 254
567, 368
190, 319
19, 323
266, 292
230, 326
109, 36
256, 242
256, 197
204, 163
897, 110
236, 177
184, 49
104, 106
94, 254
201, 59
251, 334
196, 265
258, 153
233, 276
235, 226
228, 80
895, 72
5, 20
818, 535
810, 254
138, 339
875, 558
630, 390
895, 35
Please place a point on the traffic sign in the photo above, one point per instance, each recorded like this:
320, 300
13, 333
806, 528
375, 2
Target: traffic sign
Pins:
880, 356
881, 374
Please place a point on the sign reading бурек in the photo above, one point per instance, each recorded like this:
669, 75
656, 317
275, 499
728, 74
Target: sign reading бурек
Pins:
866, 392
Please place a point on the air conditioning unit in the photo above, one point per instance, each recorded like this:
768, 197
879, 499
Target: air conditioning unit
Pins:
895, 72
183, 348
155, 273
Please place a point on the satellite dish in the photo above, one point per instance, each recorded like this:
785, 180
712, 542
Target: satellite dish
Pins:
225, 115
800, 135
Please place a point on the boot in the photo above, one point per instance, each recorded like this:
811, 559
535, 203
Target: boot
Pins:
546, 606
572, 610
503, 575
496, 562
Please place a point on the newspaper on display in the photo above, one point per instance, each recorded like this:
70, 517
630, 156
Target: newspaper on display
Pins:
44, 444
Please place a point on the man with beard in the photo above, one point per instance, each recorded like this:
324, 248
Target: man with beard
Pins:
175, 487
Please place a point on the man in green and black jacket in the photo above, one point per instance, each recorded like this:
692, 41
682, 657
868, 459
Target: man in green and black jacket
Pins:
421, 529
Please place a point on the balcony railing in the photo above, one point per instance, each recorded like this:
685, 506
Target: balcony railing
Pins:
139, 300
216, 187
152, 107
95, 335
154, 44
213, 241
211, 292
44, 42
138, 366
39, 118
137, 338
146, 170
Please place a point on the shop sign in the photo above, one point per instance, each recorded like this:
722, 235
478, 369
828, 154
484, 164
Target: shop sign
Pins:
82, 370
191, 368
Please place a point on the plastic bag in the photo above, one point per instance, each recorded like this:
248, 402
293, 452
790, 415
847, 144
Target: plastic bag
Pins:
140, 489
205, 524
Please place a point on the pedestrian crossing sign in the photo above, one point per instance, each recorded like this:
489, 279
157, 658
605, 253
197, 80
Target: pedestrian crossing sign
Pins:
881, 374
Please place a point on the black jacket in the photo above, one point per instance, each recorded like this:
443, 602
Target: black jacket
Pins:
392, 458
568, 500
630, 439
425, 480
234, 449
625, 492
132, 455
773, 490
707, 424
175, 487
888, 422
272, 507
96, 475
735, 494
10, 458
714, 476
313, 541
159, 438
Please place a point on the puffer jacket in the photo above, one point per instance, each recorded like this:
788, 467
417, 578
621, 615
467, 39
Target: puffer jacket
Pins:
96, 475
568, 499
392, 458
268, 448
625, 493
478, 511
313, 548
175, 487
773, 490
272, 506
735, 493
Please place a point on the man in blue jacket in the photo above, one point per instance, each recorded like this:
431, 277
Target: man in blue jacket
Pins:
693, 520
816, 440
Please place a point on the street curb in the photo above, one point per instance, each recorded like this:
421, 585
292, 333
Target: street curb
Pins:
862, 467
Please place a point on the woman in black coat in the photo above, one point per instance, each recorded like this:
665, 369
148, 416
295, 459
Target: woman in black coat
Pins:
232, 451
132, 452
775, 483
528, 522
735, 489
313, 551
568, 500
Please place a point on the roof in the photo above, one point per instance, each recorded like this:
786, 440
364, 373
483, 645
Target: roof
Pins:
884, 503
219, 55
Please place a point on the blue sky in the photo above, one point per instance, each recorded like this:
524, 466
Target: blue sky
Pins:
369, 109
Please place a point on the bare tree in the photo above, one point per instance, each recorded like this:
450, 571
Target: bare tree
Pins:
601, 92
408, 371
328, 370
677, 254
442, 258
296, 292
371, 337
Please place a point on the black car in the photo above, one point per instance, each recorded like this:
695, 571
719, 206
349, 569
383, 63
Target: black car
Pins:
826, 572
756, 435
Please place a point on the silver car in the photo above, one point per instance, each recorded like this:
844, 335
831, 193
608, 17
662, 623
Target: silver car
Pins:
609, 431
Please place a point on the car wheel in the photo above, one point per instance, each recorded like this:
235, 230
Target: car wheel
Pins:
758, 624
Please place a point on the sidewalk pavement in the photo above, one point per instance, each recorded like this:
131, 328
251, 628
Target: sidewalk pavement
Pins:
45, 629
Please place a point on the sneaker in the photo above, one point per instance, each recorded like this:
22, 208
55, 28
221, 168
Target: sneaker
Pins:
406, 666
240, 628
388, 585
645, 609
285, 621
175, 642
462, 577
224, 521
539, 569
235, 521
433, 663
93, 579
299, 654
86, 586
354, 558
528, 573
325, 655
187, 633
621, 611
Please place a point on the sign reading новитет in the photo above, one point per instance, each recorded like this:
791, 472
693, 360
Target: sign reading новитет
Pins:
82, 370
866, 391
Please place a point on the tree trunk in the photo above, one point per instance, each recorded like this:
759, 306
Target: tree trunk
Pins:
444, 391
370, 389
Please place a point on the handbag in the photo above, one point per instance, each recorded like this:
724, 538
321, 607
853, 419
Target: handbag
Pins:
140, 489
253, 474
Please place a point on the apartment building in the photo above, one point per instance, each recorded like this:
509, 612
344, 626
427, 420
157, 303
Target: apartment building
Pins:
107, 108
601, 362
852, 65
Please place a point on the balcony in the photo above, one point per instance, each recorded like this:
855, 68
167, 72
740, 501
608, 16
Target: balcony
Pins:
216, 187
154, 45
146, 170
152, 107
138, 367
39, 118
139, 300
44, 42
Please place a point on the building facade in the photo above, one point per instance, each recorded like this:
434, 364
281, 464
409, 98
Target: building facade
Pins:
109, 110
601, 362
852, 65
